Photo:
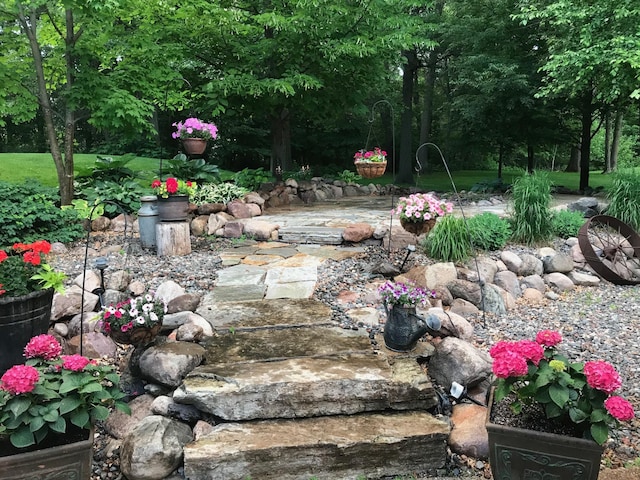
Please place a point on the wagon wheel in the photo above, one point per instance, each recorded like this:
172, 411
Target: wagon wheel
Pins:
612, 249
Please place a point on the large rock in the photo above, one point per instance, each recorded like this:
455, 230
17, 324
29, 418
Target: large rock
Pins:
512, 261
458, 361
357, 232
168, 363
71, 302
154, 448
336, 448
469, 435
559, 282
531, 265
509, 282
466, 290
440, 274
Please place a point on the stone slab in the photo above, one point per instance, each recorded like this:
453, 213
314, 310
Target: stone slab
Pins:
284, 252
320, 235
290, 290
260, 259
308, 387
291, 274
332, 252
328, 448
233, 293
272, 344
241, 275
260, 314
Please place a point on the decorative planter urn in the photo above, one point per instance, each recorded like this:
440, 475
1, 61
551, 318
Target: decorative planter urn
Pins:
516, 453
21, 318
194, 146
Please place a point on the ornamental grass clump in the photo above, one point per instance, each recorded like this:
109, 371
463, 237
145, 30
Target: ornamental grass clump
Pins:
51, 392
580, 394
404, 295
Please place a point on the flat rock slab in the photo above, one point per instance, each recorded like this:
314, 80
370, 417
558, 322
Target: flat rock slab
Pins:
319, 235
278, 344
308, 387
263, 314
241, 275
327, 448
234, 293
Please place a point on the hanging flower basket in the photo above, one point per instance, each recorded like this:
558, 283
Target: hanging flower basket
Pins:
418, 228
137, 335
371, 169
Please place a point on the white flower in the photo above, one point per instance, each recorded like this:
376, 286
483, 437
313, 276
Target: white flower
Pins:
153, 316
148, 297
133, 312
140, 321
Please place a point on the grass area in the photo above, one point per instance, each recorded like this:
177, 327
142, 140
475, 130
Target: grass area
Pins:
18, 167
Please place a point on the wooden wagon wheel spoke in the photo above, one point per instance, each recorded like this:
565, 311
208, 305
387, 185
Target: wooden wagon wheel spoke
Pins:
612, 249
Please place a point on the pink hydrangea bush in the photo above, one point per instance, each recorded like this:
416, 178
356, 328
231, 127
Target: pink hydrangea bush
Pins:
52, 391
534, 372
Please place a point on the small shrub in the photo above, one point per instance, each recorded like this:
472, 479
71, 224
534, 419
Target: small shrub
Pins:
490, 186
531, 220
251, 179
349, 176
30, 212
303, 172
448, 241
218, 193
566, 223
624, 197
105, 169
488, 231
118, 197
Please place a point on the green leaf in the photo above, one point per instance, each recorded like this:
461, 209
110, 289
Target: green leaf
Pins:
100, 412
577, 415
91, 387
80, 418
69, 404
69, 384
22, 437
59, 425
36, 424
552, 410
599, 432
598, 415
559, 395
19, 405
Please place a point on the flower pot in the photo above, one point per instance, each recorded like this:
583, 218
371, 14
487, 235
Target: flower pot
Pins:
137, 335
21, 318
194, 146
371, 169
517, 453
418, 228
173, 209
403, 328
62, 460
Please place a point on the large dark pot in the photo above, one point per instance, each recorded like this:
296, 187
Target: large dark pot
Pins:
194, 146
173, 209
61, 460
519, 454
20, 319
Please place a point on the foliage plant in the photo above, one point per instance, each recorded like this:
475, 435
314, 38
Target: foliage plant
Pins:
568, 392
113, 169
448, 241
420, 207
566, 223
404, 294
197, 169
348, 176
84, 210
252, 178
172, 186
194, 128
377, 155
145, 311
52, 390
531, 219
624, 199
488, 231
30, 211
303, 172
218, 193
117, 197
22, 270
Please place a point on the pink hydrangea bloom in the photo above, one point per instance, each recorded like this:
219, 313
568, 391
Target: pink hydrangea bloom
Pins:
75, 363
500, 348
602, 375
43, 346
19, 379
509, 364
530, 350
548, 338
619, 408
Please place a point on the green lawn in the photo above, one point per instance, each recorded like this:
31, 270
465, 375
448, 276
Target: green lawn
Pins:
18, 167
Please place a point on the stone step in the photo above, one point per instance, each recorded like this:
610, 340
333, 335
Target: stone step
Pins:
308, 387
307, 234
327, 448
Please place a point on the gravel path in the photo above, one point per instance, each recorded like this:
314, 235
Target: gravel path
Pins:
596, 322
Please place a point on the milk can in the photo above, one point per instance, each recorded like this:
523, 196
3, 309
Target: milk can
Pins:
147, 219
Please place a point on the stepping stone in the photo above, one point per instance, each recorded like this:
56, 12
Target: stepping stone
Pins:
232, 294
241, 275
336, 448
263, 314
290, 290
308, 387
319, 235
280, 343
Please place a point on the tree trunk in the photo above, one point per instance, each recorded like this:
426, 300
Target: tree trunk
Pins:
615, 142
281, 141
531, 161
574, 159
427, 108
405, 174
66, 186
607, 143
585, 143
500, 160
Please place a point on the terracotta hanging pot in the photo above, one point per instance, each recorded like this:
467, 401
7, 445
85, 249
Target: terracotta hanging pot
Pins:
371, 169
194, 146
418, 228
